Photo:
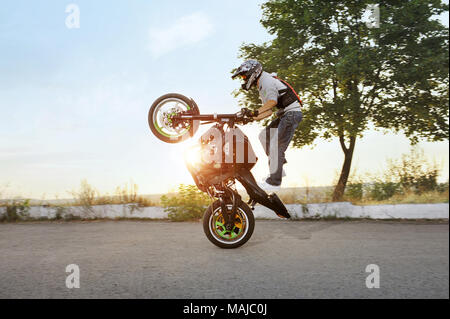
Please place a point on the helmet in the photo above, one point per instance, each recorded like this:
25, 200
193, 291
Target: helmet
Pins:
250, 71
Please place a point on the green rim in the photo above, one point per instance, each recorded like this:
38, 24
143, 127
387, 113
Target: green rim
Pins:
159, 129
222, 232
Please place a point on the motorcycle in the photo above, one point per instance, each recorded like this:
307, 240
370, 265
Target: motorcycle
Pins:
222, 156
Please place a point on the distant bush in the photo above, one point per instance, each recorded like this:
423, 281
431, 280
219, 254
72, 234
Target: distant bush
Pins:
188, 204
60, 212
85, 198
409, 177
382, 190
414, 173
355, 190
442, 187
15, 210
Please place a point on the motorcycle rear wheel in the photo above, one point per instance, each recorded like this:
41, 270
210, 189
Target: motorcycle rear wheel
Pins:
216, 232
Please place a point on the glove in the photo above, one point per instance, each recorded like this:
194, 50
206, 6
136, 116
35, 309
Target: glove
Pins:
250, 113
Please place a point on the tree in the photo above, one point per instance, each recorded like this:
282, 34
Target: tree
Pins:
353, 76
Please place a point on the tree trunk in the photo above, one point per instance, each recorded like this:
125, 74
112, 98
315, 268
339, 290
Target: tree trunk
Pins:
339, 190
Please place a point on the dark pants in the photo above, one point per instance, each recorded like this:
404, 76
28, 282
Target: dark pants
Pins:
275, 139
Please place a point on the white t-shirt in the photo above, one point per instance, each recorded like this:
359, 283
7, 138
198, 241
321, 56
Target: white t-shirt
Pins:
268, 88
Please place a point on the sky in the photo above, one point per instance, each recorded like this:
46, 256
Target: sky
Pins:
74, 101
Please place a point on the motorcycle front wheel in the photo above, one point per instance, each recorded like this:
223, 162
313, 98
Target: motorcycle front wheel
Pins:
216, 231
161, 113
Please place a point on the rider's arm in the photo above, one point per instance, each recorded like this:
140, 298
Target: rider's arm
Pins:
265, 110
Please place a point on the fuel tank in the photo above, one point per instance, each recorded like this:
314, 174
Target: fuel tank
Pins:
219, 154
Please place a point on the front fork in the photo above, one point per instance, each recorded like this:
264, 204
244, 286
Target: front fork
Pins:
229, 215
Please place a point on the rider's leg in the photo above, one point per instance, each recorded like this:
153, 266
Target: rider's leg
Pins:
285, 132
268, 138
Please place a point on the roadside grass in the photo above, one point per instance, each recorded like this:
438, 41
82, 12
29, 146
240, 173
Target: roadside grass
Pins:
88, 196
407, 197
410, 197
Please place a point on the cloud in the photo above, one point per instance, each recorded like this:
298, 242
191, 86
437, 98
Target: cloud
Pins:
187, 30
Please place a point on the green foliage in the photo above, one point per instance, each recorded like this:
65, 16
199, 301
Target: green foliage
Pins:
395, 76
355, 191
60, 212
188, 204
382, 190
15, 210
443, 187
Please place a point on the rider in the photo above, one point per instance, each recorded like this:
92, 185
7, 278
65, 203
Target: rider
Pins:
273, 92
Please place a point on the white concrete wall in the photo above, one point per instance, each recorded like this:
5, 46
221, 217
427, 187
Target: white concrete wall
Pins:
339, 210
101, 211
343, 210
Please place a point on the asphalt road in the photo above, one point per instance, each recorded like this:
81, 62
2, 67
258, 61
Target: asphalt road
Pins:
283, 259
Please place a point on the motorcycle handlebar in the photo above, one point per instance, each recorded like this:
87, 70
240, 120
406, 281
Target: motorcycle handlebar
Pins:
244, 116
